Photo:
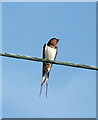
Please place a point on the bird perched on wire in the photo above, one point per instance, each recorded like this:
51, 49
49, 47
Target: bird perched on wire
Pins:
49, 52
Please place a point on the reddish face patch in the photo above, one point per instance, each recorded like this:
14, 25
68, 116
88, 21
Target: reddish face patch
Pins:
54, 42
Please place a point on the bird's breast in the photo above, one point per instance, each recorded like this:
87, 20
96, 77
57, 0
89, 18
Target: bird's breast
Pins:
50, 53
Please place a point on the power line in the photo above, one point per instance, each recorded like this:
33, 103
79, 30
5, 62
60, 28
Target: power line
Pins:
48, 61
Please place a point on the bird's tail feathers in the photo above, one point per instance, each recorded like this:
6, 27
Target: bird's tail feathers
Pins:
44, 78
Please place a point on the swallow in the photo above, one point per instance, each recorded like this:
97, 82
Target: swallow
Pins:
50, 51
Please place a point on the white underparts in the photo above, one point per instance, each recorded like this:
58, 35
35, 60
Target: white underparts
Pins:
50, 53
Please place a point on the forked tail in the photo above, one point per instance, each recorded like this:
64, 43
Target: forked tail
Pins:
44, 78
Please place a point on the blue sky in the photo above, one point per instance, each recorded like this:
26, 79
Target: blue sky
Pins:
72, 91
0, 60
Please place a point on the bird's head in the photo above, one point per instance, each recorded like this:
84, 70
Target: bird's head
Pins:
53, 41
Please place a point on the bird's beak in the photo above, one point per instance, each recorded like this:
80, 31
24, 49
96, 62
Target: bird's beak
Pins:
58, 40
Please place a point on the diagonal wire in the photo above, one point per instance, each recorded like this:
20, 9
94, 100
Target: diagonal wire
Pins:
48, 61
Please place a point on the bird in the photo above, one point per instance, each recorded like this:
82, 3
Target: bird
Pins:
50, 51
